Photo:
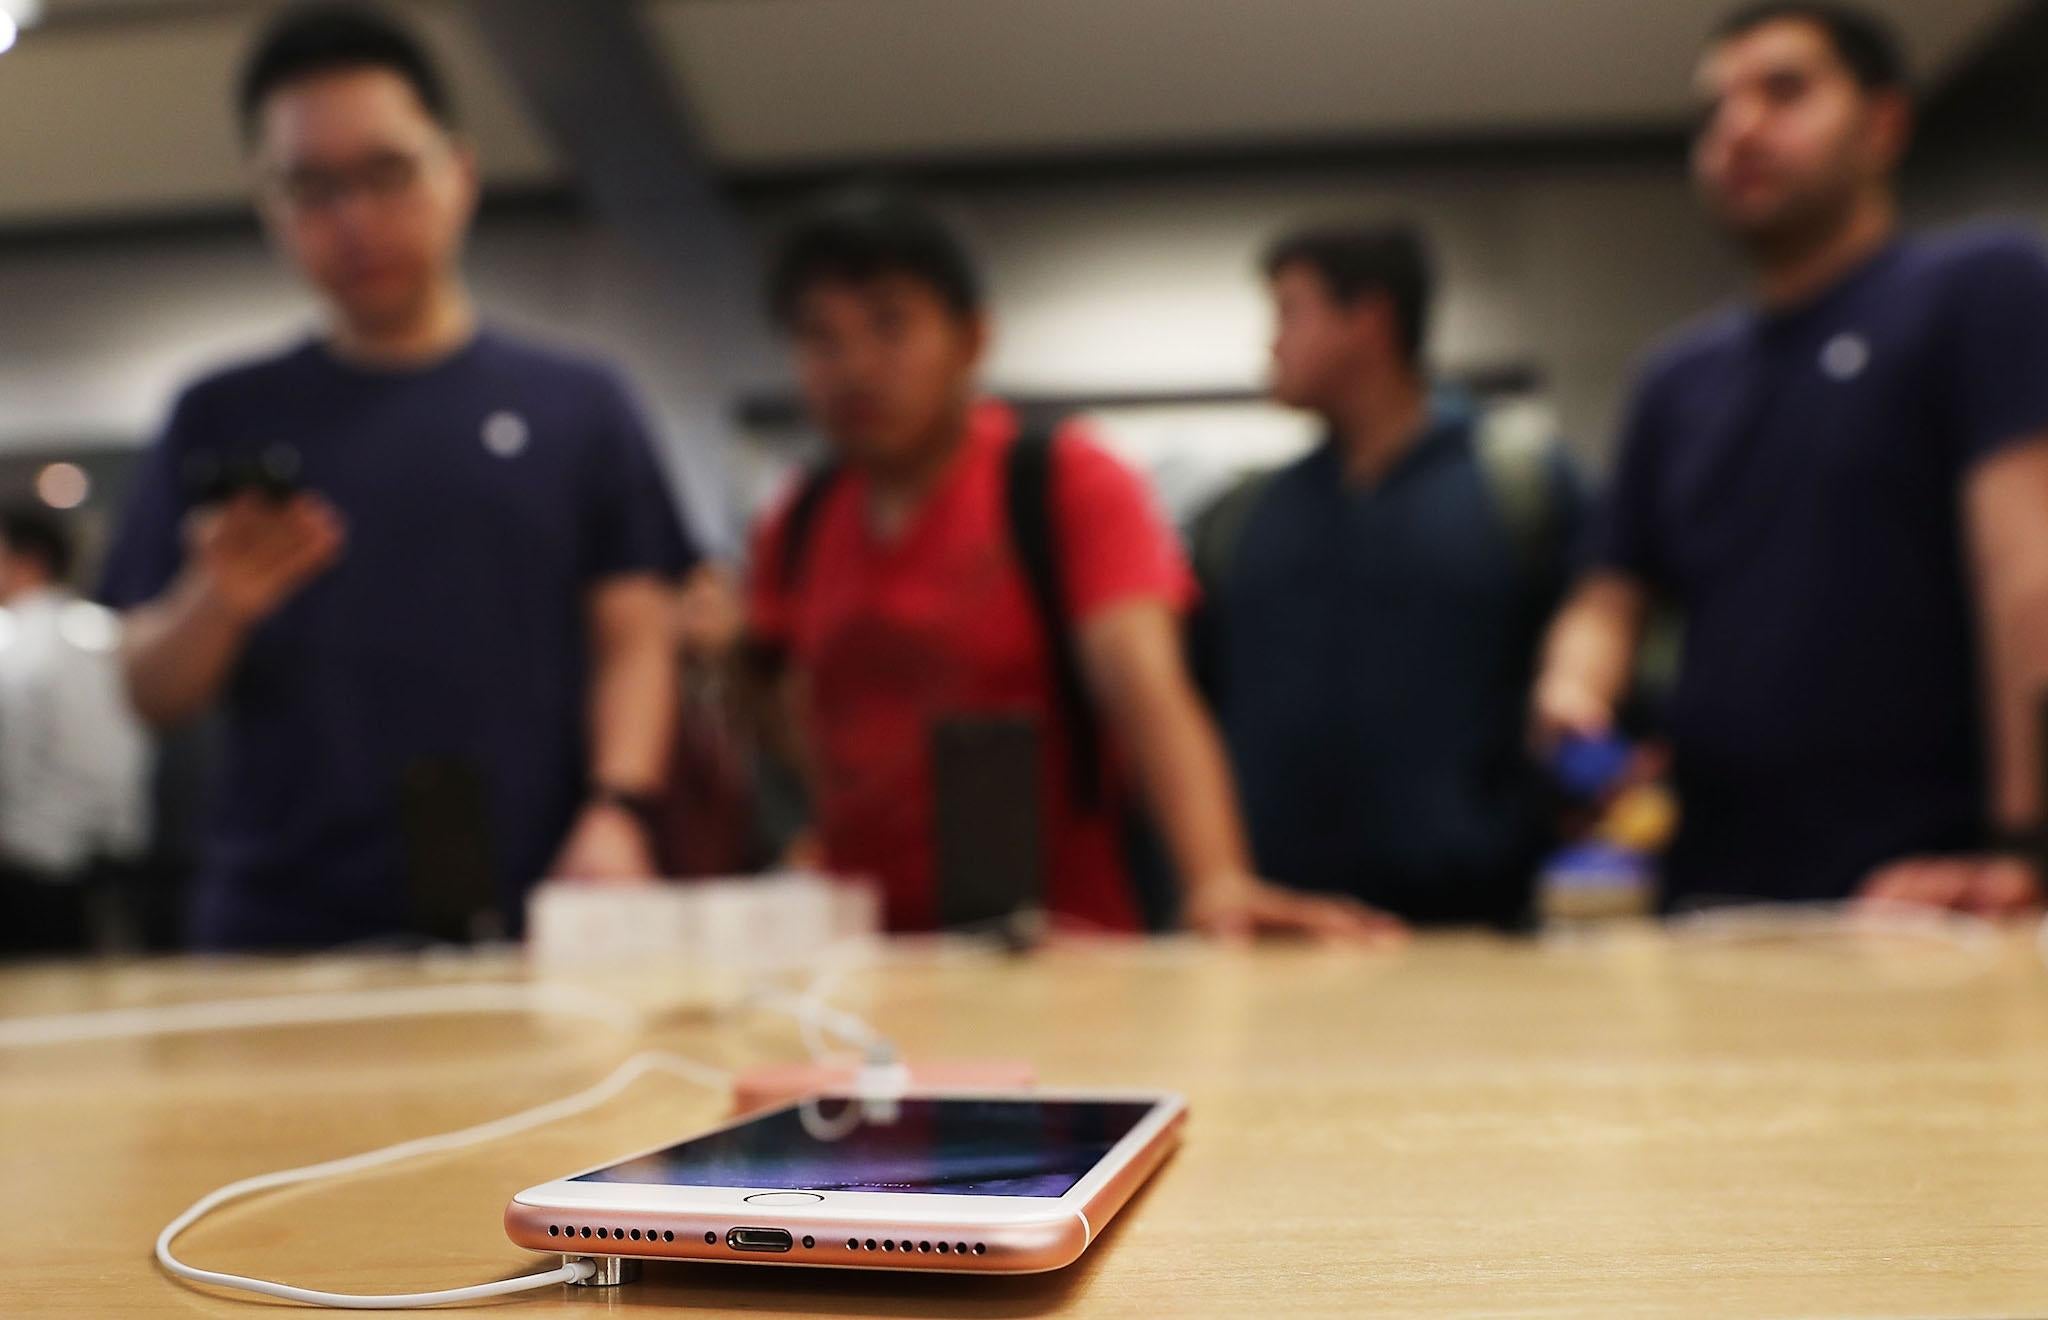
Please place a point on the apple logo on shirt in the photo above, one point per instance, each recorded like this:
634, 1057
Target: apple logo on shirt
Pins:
1845, 356
506, 433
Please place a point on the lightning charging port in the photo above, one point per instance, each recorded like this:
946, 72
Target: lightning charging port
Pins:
758, 1239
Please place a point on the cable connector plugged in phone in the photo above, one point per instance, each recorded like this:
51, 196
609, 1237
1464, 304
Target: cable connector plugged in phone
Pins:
881, 1083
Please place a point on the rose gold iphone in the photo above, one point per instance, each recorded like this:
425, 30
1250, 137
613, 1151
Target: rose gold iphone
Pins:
963, 1182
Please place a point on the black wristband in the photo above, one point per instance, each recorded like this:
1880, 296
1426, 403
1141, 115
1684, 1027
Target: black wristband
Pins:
2029, 843
642, 807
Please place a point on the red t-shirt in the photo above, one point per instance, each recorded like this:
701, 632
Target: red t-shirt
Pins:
895, 636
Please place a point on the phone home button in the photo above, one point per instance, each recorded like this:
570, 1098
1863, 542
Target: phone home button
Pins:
783, 1198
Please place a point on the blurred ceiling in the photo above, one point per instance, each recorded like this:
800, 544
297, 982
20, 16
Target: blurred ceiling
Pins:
118, 108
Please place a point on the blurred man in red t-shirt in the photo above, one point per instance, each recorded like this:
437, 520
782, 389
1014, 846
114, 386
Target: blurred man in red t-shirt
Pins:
909, 605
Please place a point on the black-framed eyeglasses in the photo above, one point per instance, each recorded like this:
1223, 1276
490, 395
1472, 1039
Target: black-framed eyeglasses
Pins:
381, 176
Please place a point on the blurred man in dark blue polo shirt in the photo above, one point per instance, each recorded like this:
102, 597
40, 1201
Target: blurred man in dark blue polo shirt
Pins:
1373, 611
418, 565
1843, 483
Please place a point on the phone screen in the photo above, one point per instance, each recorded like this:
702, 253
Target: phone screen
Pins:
956, 1147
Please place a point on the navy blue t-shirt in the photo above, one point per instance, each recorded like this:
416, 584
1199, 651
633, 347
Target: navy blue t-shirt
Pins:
1792, 480
1373, 654
483, 497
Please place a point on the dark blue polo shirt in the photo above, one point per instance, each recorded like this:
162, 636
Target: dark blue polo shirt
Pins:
483, 496
1792, 480
1373, 665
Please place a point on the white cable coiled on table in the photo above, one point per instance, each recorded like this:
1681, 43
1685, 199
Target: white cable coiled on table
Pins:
812, 1013
512, 1124
377, 1005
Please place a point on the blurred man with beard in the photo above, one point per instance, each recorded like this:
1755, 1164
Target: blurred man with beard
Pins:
1843, 485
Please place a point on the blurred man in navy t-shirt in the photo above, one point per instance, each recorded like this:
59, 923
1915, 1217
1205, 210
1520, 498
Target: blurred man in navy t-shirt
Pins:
419, 566
1844, 486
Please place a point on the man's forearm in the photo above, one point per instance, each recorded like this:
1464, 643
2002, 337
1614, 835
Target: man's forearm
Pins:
633, 710
2006, 513
633, 696
1139, 680
1185, 778
1592, 644
2017, 637
178, 650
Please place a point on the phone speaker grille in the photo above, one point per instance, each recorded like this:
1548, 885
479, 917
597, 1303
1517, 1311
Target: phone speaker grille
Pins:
922, 1248
609, 1234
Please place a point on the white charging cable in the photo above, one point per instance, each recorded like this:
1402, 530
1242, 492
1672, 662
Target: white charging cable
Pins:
496, 1129
882, 1078
543, 999
814, 1017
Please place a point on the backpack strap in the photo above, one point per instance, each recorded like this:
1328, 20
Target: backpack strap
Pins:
1027, 498
765, 658
1027, 494
802, 522
1213, 537
1516, 451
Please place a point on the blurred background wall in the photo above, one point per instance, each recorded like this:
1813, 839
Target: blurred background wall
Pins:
1119, 164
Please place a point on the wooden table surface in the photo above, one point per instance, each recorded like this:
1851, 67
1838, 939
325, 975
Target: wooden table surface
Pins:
1630, 1125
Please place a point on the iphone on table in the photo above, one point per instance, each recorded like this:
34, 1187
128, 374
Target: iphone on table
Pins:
1007, 1183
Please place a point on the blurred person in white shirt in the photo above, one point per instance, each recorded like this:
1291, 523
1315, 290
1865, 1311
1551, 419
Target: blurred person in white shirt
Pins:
74, 762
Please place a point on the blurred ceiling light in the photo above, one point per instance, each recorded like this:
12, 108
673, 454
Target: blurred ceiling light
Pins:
63, 485
16, 15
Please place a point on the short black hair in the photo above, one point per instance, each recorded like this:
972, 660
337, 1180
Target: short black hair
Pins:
34, 534
865, 233
1867, 44
308, 40
1357, 260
